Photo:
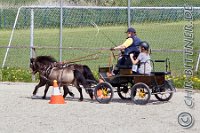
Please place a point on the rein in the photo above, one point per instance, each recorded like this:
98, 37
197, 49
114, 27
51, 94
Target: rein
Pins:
83, 58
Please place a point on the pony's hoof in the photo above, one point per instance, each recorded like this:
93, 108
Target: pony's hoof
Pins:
43, 97
80, 100
72, 95
92, 97
35, 97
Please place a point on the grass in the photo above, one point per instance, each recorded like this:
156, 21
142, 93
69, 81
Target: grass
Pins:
15, 74
159, 35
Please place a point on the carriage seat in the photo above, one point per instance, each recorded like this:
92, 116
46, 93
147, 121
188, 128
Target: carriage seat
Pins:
161, 73
125, 66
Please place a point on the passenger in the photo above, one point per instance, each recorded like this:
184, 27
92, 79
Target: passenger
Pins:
129, 46
143, 59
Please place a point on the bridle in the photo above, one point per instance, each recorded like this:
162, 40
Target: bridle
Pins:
33, 67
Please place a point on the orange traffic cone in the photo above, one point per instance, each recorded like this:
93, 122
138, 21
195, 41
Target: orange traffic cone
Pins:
56, 97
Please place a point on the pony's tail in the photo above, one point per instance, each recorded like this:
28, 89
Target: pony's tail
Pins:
88, 73
80, 78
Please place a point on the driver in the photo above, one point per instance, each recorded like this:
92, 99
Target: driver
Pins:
129, 46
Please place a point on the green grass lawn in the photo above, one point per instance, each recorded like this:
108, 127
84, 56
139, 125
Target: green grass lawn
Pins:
159, 35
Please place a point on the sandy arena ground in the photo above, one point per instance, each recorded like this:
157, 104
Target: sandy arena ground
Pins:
21, 114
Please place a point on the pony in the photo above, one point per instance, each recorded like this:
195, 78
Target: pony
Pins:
41, 62
65, 76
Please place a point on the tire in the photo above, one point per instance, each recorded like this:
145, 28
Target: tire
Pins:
167, 86
124, 92
103, 92
140, 94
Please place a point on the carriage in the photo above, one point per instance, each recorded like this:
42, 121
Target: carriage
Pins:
137, 87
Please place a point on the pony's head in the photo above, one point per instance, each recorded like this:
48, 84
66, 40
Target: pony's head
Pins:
40, 62
34, 65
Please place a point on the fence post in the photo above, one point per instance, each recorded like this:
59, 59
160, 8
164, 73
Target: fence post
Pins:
129, 13
198, 61
11, 37
1, 75
32, 51
61, 21
4, 19
32, 34
1, 18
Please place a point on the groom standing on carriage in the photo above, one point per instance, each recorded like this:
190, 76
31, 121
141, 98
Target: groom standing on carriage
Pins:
129, 46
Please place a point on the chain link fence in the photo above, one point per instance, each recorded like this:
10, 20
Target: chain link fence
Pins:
18, 3
99, 25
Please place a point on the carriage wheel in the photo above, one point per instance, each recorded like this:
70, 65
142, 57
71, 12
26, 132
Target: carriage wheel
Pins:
140, 94
166, 92
103, 92
124, 92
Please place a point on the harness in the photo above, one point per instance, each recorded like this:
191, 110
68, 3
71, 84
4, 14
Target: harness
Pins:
48, 70
45, 74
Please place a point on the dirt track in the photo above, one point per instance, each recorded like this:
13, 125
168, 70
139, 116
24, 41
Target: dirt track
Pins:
21, 114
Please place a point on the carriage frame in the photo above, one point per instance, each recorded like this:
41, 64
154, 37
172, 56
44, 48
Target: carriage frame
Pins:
137, 87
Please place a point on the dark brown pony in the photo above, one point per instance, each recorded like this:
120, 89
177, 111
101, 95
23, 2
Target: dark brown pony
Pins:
41, 62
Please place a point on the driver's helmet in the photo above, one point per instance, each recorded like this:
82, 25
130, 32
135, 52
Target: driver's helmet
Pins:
144, 44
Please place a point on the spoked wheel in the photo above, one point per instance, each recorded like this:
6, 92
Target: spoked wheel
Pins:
140, 94
103, 92
166, 92
124, 92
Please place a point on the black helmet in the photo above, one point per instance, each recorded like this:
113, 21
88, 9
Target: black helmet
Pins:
145, 45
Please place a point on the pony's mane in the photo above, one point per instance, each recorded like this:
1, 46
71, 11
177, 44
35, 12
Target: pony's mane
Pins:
43, 59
